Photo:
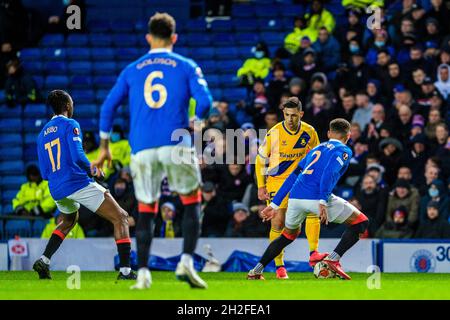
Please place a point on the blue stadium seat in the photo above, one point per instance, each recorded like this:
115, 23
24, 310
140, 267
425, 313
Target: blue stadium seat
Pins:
81, 82
223, 39
141, 26
2, 96
291, 10
267, 11
78, 53
128, 54
35, 111
216, 93
80, 67
38, 227
273, 38
229, 80
105, 82
229, 66
98, 26
208, 66
13, 125
83, 96
20, 228
88, 124
124, 40
55, 68
202, 53
121, 64
30, 54
54, 54
101, 95
7, 209
30, 138
10, 153
105, 67
86, 110
32, 66
234, 94
271, 25
77, 40
9, 195
243, 11
213, 81
221, 25
344, 192
6, 112
39, 80
11, 167
34, 125
227, 53
101, 54
52, 40
13, 182
246, 38
122, 26
10, 139
30, 152
198, 25
199, 39
56, 82
100, 40
1, 224
184, 51
245, 25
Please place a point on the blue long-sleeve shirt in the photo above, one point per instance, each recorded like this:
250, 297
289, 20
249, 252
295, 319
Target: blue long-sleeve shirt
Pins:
62, 160
317, 174
159, 86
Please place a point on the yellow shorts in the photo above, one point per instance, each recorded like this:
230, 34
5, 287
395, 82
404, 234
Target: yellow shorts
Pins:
272, 187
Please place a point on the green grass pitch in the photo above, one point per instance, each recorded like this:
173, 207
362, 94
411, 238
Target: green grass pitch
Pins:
224, 285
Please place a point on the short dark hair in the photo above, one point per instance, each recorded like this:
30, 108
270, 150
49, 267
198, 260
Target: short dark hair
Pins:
161, 25
340, 126
58, 100
292, 102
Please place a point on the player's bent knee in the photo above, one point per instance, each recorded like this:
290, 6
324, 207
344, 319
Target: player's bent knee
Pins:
290, 234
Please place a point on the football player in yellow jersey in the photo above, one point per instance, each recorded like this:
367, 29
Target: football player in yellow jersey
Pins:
284, 146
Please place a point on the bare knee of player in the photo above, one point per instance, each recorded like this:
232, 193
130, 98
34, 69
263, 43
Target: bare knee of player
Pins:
67, 222
116, 215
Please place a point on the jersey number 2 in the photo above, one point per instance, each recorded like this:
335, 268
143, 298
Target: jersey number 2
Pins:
316, 155
48, 146
149, 88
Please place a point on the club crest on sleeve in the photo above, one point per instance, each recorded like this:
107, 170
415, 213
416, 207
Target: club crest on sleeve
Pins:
345, 156
76, 131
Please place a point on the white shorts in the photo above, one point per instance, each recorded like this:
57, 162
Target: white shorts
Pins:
178, 163
91, 196
338, 211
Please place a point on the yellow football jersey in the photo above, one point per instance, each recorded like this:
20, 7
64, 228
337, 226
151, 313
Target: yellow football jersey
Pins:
283, 150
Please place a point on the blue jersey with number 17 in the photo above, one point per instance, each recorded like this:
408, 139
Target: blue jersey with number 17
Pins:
159, 86
317, 174
61, 157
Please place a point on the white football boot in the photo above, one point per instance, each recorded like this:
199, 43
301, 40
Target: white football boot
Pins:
144, 280
185, 272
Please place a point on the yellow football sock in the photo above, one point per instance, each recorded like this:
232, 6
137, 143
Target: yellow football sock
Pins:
312, 230
279, 260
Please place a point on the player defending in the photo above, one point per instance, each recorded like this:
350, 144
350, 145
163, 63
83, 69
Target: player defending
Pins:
159, 86
284, 146
310, 186
63, 163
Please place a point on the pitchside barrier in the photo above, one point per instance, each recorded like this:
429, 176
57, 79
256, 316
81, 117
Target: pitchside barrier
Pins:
233, 254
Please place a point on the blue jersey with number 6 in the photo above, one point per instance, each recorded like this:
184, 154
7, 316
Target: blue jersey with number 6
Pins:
159, 86
61, 157
318, 173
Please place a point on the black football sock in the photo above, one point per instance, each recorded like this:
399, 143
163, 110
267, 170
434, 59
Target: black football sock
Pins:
144, 236
124, 248
191, 227
53, 244
274, 249
350, 237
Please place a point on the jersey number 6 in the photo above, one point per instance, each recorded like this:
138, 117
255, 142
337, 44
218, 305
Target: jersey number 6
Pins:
149, 88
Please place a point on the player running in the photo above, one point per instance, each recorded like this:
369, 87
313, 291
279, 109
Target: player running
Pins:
284, 146
63, 163
159, 86
310, 186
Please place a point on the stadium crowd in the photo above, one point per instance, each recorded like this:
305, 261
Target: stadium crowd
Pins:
392, 83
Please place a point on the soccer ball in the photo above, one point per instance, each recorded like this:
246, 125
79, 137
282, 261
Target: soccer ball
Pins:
321, 271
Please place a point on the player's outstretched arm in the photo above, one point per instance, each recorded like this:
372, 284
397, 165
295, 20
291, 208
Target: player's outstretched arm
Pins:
199, 91
287, 186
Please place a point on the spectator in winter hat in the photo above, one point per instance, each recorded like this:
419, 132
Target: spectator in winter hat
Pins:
401, 196
437, 192
443, 82
435, 226
398, 227
434, 118
417, 125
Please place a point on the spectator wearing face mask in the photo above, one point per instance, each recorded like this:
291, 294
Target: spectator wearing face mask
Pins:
398, 228
434, 226
401, 195
373, 203
216, 212
256, 67
34, 198
437, 193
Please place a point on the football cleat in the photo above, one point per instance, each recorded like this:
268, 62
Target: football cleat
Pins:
282, 273
42, 269
188, 274
337, 268
144, 280
131, 276
254, 276
315, 257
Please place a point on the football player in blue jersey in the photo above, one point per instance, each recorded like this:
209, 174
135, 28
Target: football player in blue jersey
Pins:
159, 86
309, 188
69, 173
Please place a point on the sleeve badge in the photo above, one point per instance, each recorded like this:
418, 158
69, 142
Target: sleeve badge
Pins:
345, 156
76, 131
